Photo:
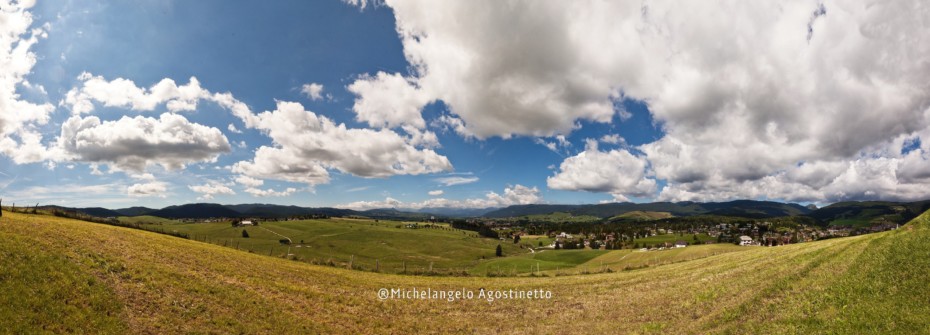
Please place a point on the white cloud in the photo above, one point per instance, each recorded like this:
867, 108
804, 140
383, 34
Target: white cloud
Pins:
446, 122
314, 91
739, 100
135, 143
388, 100
558, 145
249, 181
256, 192
435, 193
513, 195
306, 145
210, 189
617, 172
19, 138
455, 180
613, 139
149, 189
232, 128
124, 93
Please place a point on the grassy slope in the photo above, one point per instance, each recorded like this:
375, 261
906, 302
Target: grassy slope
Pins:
148, 283
544, 259
672, 238
368, 241
642, 216
562, 217
147, 219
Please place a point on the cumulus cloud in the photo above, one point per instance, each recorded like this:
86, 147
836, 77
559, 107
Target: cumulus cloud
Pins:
249, 181
435, 193
19, 138
617, 172
307, 145
149, 189
124, 93
388, 100
513, 195
210, 189
613, 139
313, 91
743, 90
135, 143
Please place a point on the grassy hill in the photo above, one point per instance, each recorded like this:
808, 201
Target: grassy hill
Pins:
561, 217
369, 244
641, 216
866, 213
742, 208
66, 276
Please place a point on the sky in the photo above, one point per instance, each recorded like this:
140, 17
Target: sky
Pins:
464, 104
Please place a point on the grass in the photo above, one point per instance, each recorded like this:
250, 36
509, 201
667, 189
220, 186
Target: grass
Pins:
642, 216
67, 276
672, 238
146, 220
368, 244
626, 259
562, 217
545, 260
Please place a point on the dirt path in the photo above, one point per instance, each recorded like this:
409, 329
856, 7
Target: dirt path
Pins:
270, 231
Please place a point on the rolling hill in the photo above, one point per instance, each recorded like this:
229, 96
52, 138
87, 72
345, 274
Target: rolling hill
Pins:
135, 211
865, 213
67, 276
744, 208
196, 211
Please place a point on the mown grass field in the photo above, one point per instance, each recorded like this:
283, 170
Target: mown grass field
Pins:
544, 260
66, 276
368, 244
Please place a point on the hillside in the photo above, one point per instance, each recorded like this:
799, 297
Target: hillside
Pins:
743, 208
196, 211
865, 213
641, 216
66, 276
134, 211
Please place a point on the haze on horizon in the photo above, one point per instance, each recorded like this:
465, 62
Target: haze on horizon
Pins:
409, 104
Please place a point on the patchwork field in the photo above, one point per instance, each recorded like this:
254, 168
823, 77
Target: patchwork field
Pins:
65, 276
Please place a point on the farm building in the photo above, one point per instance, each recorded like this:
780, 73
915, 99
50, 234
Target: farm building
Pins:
745, 240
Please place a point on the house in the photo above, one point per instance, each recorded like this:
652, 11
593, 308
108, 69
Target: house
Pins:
681, 244
745, 240
245, 223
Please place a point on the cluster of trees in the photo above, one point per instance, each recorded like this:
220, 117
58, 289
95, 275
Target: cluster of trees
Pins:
481, 228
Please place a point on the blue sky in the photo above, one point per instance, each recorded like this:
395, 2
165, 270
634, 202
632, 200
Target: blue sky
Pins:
606, 104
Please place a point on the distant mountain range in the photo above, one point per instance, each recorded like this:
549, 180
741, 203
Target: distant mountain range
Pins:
843, 213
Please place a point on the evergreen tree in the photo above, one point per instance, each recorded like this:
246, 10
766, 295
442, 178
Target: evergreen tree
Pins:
245, 234
500, 251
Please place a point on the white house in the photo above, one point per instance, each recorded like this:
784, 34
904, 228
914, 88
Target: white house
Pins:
245, 223
681, 244
745, 240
